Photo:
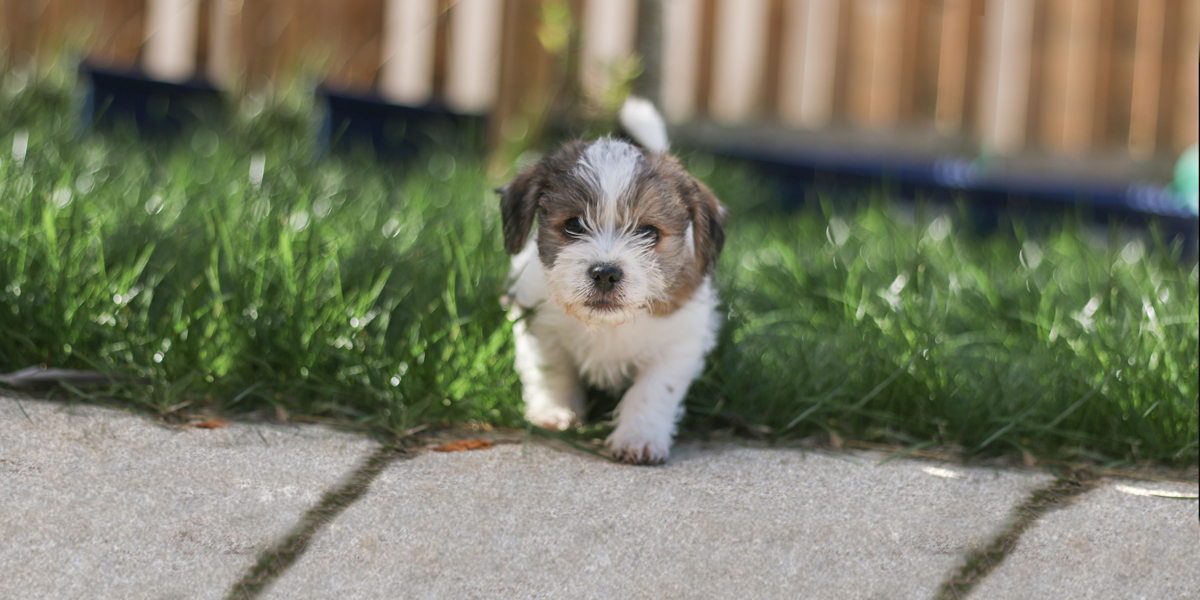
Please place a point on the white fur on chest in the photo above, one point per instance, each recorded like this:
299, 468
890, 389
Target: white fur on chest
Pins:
605, 356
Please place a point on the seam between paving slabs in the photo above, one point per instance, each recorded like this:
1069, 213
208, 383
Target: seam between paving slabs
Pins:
983, 560
275, 561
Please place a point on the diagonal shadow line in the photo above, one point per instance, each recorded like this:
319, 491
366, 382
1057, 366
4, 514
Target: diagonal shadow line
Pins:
275, 561
982, 561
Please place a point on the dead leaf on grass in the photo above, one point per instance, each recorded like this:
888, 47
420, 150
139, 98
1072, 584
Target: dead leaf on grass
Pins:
213, 423
461, 445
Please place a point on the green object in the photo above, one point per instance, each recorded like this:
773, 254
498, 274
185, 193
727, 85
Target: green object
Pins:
1187, 178
231, 269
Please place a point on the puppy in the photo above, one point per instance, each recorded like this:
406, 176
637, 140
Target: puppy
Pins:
614, 288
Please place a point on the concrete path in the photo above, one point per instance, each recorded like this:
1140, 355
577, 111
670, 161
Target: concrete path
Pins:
97, 503
1118, 541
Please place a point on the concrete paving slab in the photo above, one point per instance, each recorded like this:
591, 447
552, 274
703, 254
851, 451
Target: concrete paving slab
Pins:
98, 503
718, 521
1117, 541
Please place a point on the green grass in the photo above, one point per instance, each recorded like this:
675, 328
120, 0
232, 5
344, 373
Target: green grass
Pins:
341, 288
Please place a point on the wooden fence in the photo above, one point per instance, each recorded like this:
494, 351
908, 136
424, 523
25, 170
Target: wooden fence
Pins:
1069, 77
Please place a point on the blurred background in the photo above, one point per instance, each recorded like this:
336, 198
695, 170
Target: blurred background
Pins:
1059, 100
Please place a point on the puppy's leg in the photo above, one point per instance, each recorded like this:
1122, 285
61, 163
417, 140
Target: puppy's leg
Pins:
648, 412
552, 392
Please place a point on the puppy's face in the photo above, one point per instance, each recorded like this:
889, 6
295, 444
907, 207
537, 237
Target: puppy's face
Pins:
619, 229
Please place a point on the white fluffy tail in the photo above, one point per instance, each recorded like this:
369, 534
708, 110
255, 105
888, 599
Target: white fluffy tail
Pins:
643, 123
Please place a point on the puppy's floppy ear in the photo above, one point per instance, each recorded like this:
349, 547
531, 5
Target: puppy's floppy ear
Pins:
519, 206
708, 219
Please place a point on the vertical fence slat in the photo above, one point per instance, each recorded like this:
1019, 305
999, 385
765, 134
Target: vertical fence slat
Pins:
1187, 117
169, 53
860, 60
1081, 75
1005, 86
12, 14
1068, 102
911, 34
707, 56
923, 34
841, 69
34, 29
876, 62
350, 37
1147, 75
649, 45
808, 68
1041, 62
1167, 92
441, 47
1104, 63
474, 55
224, 54
406, 73
952, 65
681, 58
203, 36
1120, 74
769, 83
791, 61
609, 30
887, 64
119, 33
15, 32
1048, 81
8, 45
524, 92
255, 21
739, 47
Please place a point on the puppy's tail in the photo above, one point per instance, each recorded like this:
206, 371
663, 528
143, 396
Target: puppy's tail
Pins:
644, 124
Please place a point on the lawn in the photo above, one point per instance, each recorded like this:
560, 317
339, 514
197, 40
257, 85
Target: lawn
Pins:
239, 269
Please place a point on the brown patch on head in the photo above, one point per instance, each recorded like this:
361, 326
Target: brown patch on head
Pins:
669, 198
565, 196
523, 198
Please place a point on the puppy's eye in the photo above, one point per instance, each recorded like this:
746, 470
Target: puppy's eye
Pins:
650, 233
573, 227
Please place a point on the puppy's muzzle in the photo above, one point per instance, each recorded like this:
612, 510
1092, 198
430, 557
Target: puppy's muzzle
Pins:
605, 276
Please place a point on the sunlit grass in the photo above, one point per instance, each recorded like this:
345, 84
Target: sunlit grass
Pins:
922, 333
237, 268
240, 269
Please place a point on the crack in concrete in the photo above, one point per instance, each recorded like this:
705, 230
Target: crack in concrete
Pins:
982, 561
275, 561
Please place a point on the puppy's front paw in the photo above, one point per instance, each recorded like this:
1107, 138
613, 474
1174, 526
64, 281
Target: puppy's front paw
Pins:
636, 448
555, 418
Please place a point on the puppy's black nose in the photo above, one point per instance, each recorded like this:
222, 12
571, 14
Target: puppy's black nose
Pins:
605, 276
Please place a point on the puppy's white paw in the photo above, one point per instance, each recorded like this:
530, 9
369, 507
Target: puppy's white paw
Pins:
638, 448
555, 418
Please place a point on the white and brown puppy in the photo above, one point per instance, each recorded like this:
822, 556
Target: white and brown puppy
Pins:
615, 284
